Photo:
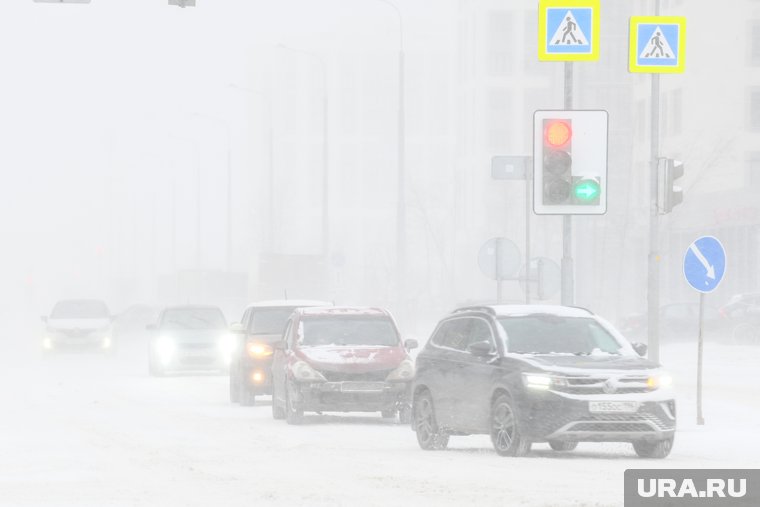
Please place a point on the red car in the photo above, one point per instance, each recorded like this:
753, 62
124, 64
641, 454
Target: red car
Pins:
341, 359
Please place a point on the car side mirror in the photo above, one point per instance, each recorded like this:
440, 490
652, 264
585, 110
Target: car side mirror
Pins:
150, 327
480, 349
640, 348
237, 328
280, 345
410, 344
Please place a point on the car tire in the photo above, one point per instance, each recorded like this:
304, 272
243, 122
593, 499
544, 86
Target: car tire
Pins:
234, 388
405, 414
293, 410
278, 412
154, 369
247, 397
560, 446
429, 436
506, 436
657, 450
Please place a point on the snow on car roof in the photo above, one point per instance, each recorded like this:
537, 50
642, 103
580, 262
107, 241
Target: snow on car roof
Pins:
344, 310
288, 303
515, 310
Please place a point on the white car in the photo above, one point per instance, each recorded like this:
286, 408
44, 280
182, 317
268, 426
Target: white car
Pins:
78, 324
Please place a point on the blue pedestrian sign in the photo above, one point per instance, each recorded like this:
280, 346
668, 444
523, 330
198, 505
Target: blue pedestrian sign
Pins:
568, 30
657, 44
704, 264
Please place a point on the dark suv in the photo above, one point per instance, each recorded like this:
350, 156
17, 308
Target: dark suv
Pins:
528, 374
251, 363
341, 359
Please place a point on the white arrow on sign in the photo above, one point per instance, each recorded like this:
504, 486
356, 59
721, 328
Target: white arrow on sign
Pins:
710, 269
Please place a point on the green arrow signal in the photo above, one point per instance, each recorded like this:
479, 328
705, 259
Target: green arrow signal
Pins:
587, 190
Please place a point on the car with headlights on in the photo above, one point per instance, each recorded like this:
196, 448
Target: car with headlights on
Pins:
251, 362
341, 359
533, 373
189, 338
77, 324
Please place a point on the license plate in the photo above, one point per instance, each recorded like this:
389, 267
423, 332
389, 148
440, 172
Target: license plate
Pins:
361, 387
625, 407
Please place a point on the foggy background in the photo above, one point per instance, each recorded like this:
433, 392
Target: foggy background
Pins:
125, 125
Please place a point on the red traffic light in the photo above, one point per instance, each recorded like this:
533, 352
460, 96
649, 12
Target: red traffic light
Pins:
558, 133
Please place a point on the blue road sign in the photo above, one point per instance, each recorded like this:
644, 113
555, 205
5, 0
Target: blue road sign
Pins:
657, 44
569, 30
704, 264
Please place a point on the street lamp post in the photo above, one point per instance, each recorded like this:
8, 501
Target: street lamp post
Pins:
401, 169
270, 156
325, 149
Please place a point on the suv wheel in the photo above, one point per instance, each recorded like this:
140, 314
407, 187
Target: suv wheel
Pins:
429, 436
657, 450
562, 446
293, 410
505, 433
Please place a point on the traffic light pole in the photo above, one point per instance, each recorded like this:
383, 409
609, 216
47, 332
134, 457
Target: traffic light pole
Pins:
568, 290
653, 271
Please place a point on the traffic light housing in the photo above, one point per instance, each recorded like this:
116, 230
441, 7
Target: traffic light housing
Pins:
669, 195
570, 162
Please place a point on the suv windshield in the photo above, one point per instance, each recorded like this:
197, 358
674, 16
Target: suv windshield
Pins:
82, 309
377, 331
552, 334
193, 318
269, 320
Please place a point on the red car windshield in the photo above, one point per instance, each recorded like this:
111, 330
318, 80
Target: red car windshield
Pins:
349, 330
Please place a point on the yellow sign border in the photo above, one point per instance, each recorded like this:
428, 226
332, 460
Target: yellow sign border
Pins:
633, 33
545, 56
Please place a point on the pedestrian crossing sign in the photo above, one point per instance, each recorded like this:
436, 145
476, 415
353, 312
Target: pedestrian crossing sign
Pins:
568, 30
657, 44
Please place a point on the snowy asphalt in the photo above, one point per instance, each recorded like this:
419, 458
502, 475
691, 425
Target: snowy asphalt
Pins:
92, 430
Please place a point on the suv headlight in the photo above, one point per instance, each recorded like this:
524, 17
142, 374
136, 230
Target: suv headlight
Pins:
302, 372
258, 350
404, 371
542, 382
659, 381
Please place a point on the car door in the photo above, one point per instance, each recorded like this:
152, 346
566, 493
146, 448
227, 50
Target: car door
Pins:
438, 364
474, 378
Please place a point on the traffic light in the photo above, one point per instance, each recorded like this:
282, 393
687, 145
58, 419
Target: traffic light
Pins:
570, 162
669, 195
557, 160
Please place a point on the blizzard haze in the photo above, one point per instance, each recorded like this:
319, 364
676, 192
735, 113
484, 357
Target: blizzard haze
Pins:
339, 152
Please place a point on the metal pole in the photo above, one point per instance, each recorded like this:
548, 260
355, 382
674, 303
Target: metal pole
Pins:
528, 188
700, 417
401, 179
497, 268
229, 199
567, 225
325, 173
653, 268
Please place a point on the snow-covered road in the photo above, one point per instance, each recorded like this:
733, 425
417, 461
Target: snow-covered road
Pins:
89, 430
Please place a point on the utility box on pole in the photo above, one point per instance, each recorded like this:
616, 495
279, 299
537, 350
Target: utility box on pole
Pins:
570, 162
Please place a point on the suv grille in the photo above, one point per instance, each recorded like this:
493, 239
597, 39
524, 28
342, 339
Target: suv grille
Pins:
604, 385
623, 422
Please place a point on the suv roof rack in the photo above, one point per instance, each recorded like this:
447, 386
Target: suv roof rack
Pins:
581, 308
480, 308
